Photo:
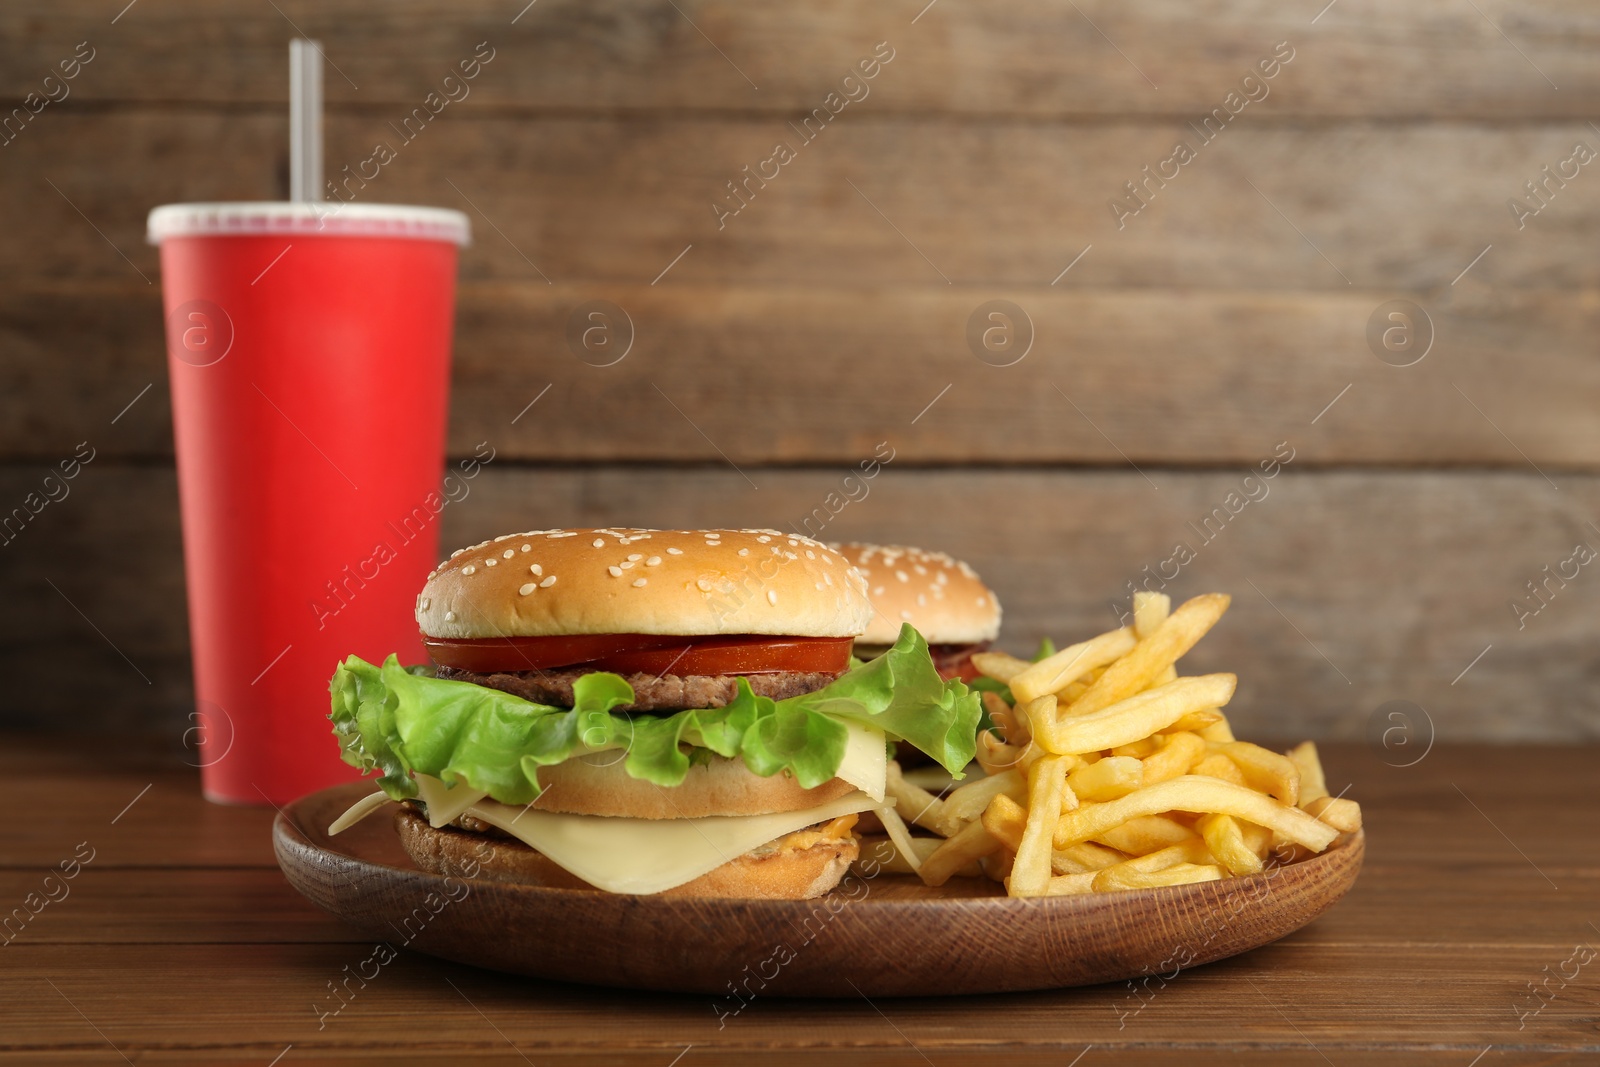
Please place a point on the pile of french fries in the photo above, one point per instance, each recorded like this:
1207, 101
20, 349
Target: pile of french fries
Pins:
1111, 771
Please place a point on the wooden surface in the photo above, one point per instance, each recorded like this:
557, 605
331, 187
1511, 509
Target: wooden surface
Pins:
830, 313
880, 936
180, 942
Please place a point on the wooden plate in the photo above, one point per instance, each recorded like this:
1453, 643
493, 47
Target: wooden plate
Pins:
885, 936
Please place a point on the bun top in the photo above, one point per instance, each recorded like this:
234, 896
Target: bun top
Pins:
942, 597
544, 583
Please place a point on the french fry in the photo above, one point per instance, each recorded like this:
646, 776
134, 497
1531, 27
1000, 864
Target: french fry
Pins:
1217, 765
1111, 771
1005, 821
1337, 812
1178, 753
1134, 718
1191, 849
996, 757
967, 803
1199, 794
1226, 841
1140, 749
998, 665
1110, 778
1012, 726
1054, 673
1257, 838
1030, 871
1150, 610
1196, 720
1066, 885
895, 827
972, 843
996, 866
1266, 770
1145, 834
1085, 856
1136, 671
1123, 877
880, 856
1312, 782
918, 806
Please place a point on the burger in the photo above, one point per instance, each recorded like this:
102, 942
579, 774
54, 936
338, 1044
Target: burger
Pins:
644, 711
942, 597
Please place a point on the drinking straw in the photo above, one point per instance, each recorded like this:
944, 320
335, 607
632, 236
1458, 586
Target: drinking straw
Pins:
305, 120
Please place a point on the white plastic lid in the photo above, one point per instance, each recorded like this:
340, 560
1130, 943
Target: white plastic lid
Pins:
325, 218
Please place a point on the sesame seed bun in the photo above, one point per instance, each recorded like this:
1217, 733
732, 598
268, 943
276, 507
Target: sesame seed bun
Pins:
942, 597
629, 581
794, 869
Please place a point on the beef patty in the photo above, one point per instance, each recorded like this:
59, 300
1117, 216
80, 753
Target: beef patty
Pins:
652, 692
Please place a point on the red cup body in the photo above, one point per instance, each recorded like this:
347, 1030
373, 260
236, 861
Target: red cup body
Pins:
310, 379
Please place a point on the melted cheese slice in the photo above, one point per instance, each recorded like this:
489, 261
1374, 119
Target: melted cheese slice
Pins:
642, 856
445, 803
866, 760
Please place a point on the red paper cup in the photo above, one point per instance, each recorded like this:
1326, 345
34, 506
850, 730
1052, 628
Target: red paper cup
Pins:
309, 351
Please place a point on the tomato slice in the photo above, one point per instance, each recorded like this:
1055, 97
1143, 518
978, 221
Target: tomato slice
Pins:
645, 653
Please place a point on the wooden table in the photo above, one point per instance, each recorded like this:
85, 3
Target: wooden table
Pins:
180, 942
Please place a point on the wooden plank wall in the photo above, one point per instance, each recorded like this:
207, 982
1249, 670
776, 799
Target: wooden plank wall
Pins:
1229, 313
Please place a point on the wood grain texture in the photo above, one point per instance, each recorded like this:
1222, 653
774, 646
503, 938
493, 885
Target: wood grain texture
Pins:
1368, 586
1392, 206
1367, 58
1421, 964
780, 375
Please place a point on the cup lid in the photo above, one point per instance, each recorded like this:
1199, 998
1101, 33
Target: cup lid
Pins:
326, 218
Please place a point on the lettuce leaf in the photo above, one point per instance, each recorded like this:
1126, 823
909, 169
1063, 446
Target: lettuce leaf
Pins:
395, 720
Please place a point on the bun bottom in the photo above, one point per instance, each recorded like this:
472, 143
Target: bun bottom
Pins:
782, 874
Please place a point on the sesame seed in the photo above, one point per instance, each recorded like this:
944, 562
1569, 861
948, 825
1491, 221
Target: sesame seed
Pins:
526, 548
637, 582
536, 569
827, 578
626, 564
449, 616
744, 552
653, 561
526, 589
810, 554
508, 553
635, 557
827, 559
790, 555
615, 572
980, 602
599, 543
674, 551
548, 582
902, 575
469, 569
763, 539
422, 605
703, 585
919, 568
878, 591
490, 562
457, 552
922, 601
772, 596
905, 614
819, 587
